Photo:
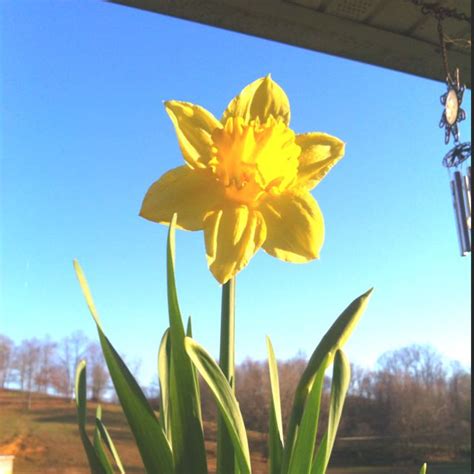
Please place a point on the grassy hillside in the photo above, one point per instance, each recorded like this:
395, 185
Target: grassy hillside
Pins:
45, 439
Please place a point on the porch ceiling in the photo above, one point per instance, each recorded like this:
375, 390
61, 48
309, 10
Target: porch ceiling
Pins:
390, 33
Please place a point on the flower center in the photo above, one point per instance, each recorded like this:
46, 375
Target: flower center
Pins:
253, 159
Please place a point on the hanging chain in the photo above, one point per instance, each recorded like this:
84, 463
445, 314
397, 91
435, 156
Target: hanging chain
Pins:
440, 13
444, 54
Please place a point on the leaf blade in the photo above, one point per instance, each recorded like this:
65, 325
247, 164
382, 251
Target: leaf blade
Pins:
339, 387
151, 441
109, 444
99, 444
187, 434
275, 429
334, 339
164, 355
80, 390
302, 454
225, 399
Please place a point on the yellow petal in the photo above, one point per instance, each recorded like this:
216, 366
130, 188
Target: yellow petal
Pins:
260, 99
319, 153
194, 126
295, 227
232, 234
190, 193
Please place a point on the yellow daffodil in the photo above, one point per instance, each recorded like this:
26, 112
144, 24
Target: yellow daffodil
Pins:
246, 181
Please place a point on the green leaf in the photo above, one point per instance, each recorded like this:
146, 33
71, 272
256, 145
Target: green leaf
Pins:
334, 339
151, 441
95, 463
189, 333
302, 453
189, 328
164, 356
99, 444
340, 384
318, 463
225, 399
423, 469
275, 430
186, 426
107, 440
81, 393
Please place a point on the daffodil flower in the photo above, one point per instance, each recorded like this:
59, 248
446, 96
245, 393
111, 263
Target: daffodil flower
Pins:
246, 181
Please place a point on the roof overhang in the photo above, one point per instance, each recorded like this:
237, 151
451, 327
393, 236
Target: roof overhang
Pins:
387, 33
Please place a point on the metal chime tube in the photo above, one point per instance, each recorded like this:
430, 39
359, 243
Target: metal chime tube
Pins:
457, 188
467, 196
455, 207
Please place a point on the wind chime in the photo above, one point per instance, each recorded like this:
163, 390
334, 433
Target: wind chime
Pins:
454, 160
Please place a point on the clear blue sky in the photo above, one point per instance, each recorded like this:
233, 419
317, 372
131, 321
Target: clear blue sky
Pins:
85, 133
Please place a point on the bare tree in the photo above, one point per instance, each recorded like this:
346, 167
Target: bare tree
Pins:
411, 385
59, 380
361, 384
253, 393
47, 354
27, 362
422, 363
6, 359
98, 373
289, 375
72, 350
460, 397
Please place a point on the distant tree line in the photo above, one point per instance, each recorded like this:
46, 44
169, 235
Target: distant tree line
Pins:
413, 404
45, 366
413, 397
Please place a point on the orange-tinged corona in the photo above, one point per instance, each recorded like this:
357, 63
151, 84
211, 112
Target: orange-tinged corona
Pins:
252, 160
247, 180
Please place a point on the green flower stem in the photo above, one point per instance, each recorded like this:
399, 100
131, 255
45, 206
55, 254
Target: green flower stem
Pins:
225, 451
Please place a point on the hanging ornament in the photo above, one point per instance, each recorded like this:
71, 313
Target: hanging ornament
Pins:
460, 183
451, 100
452, 113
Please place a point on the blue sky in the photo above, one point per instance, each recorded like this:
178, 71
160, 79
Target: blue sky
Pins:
84, 133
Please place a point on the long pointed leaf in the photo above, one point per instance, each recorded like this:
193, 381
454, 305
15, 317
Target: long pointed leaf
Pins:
189, 328
186, 426
275, 430
151, 441
423, 469
164, 356
107, 440
339, 386
99, 444
225, 399
301, 457
318, 463
189, 333
95, 463
334, 339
